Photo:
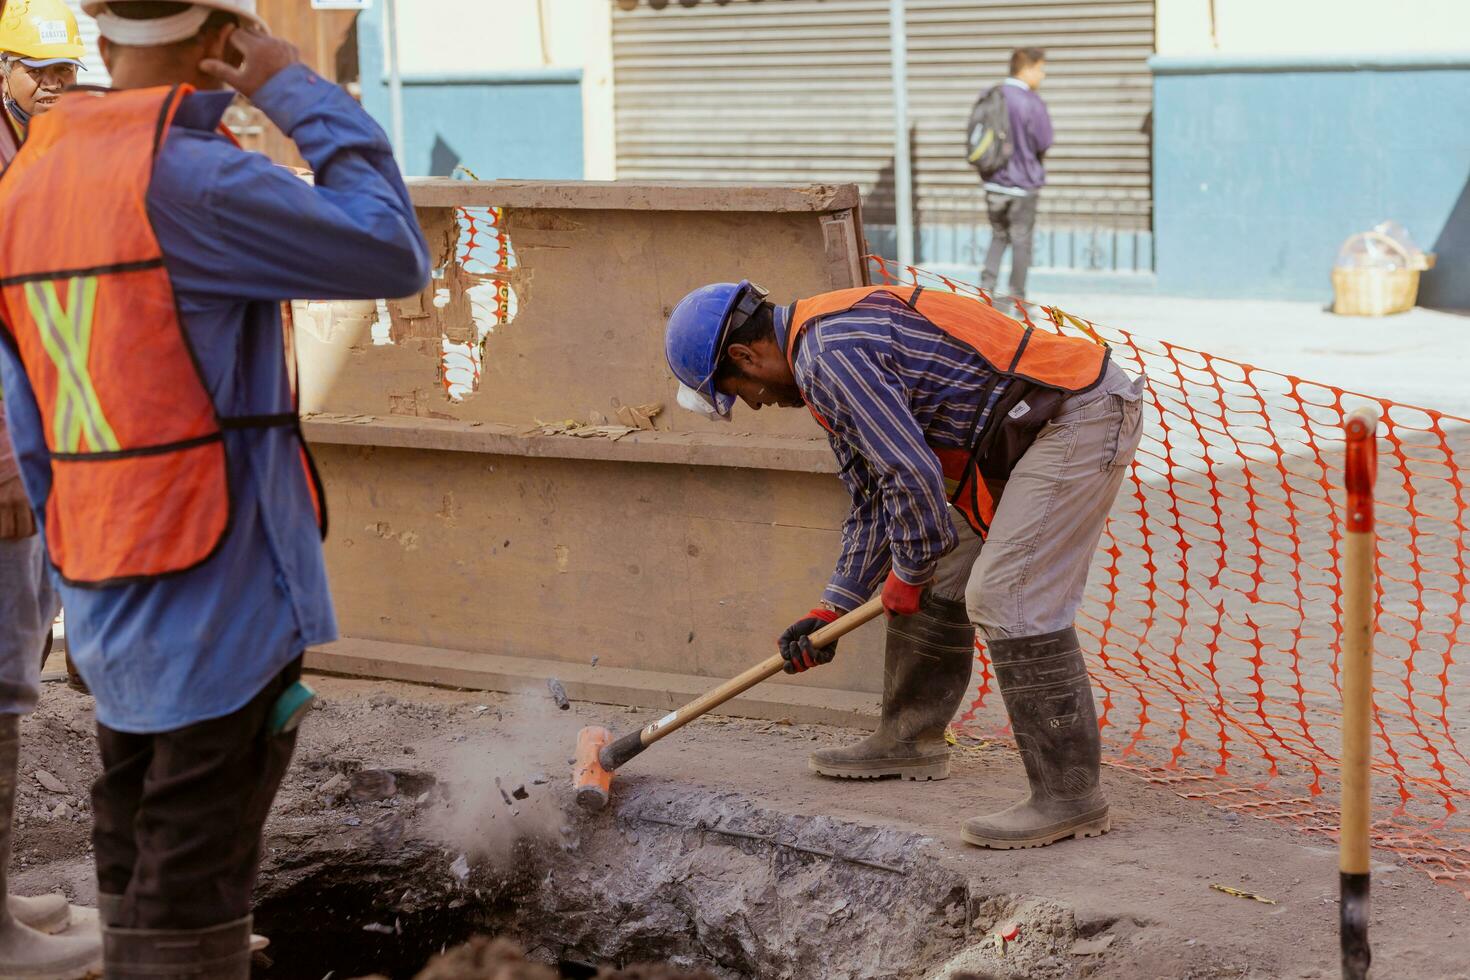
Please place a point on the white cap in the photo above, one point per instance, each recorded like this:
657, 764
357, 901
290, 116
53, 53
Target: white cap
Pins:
166, 30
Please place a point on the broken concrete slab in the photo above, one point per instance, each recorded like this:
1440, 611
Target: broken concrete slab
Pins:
372, 785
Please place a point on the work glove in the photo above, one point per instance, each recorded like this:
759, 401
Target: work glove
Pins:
796, 643
900, 598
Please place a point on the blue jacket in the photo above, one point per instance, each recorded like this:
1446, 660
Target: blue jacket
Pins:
239, 235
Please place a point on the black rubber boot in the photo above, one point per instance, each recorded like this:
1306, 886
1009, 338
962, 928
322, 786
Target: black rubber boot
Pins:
1049, 699
926, 672
219, 952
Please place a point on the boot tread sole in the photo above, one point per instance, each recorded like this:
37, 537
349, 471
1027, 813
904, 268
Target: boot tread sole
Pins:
914, 772
1092, 828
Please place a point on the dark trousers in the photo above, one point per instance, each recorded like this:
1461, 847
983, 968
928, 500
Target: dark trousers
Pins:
1012, 222
177, 816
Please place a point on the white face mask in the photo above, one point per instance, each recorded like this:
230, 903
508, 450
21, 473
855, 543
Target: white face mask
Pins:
693, 401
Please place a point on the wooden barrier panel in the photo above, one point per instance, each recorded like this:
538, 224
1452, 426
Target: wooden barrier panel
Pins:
465, 523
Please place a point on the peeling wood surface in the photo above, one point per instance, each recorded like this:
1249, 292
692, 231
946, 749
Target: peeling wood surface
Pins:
592, 291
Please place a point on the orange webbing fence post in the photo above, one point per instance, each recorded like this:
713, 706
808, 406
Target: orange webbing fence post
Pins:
1357, 691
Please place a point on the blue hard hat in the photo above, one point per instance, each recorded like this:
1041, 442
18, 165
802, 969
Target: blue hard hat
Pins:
696, 335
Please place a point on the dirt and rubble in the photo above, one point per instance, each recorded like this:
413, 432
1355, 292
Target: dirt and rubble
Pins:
415, 819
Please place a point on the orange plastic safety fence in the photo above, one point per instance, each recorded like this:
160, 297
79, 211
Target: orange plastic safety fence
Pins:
1212, 610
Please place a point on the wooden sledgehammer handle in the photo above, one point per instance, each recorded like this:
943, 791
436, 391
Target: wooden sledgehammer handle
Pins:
614, 754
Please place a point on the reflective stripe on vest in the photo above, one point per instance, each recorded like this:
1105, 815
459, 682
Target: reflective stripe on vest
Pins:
138, 483
1010, 349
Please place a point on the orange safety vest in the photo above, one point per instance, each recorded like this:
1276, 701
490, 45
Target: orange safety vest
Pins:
139, 481
1052, 366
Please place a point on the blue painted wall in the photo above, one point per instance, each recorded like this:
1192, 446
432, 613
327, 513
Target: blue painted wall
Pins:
501, 125
1262, 168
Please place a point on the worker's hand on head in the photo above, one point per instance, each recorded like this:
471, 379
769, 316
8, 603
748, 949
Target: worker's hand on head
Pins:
16, 519
262, 57
900, 598
796, 643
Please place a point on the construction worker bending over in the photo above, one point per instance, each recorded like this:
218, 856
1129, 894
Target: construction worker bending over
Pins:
143, 261
982, 458
40, 54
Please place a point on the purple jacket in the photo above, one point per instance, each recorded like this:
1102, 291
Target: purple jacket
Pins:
1030, 135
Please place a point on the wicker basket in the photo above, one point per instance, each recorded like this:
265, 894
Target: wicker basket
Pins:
1379, 292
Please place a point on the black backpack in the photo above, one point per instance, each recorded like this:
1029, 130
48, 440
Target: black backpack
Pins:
988, 145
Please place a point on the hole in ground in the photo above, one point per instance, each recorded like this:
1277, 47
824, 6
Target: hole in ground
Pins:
358, 918
692, 883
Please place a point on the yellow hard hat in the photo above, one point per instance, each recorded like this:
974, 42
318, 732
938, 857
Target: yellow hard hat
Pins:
40, 33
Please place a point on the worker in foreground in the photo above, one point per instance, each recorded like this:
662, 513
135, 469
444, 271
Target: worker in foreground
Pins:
143, 262
982, 457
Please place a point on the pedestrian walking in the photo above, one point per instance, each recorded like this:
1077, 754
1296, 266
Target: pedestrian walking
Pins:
1012, 193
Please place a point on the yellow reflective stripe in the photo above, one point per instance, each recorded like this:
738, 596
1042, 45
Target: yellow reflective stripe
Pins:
983, 145
66, 334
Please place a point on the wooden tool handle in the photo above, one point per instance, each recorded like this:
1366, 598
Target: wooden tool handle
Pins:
618, 752
1354, 856
1357, 640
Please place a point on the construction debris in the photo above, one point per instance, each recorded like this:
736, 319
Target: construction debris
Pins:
371, 785
49, 782
640, 417
334, 787
558, 694
571, 427
1242, 894
460, 867
1093, 946
633, 418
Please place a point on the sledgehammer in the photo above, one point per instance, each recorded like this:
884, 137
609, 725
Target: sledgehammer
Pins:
598, 755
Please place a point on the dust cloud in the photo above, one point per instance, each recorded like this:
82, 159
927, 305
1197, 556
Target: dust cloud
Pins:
508, 784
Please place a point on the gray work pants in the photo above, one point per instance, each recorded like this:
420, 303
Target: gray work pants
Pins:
1012, 223
1029, 576
28, 605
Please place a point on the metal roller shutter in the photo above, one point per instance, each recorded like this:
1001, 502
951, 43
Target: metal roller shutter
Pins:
95, 74
793, 90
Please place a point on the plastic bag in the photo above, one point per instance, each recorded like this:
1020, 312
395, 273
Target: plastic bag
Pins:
1388, 246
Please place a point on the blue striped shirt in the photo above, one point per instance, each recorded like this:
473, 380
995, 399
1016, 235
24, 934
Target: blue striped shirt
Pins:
890, 384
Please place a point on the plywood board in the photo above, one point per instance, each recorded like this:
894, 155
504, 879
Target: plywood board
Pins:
689, 570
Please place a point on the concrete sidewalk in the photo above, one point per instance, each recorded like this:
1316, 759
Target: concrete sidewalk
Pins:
1419, 358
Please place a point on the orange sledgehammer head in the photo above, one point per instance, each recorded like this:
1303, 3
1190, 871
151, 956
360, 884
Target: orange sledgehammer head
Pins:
590, 780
